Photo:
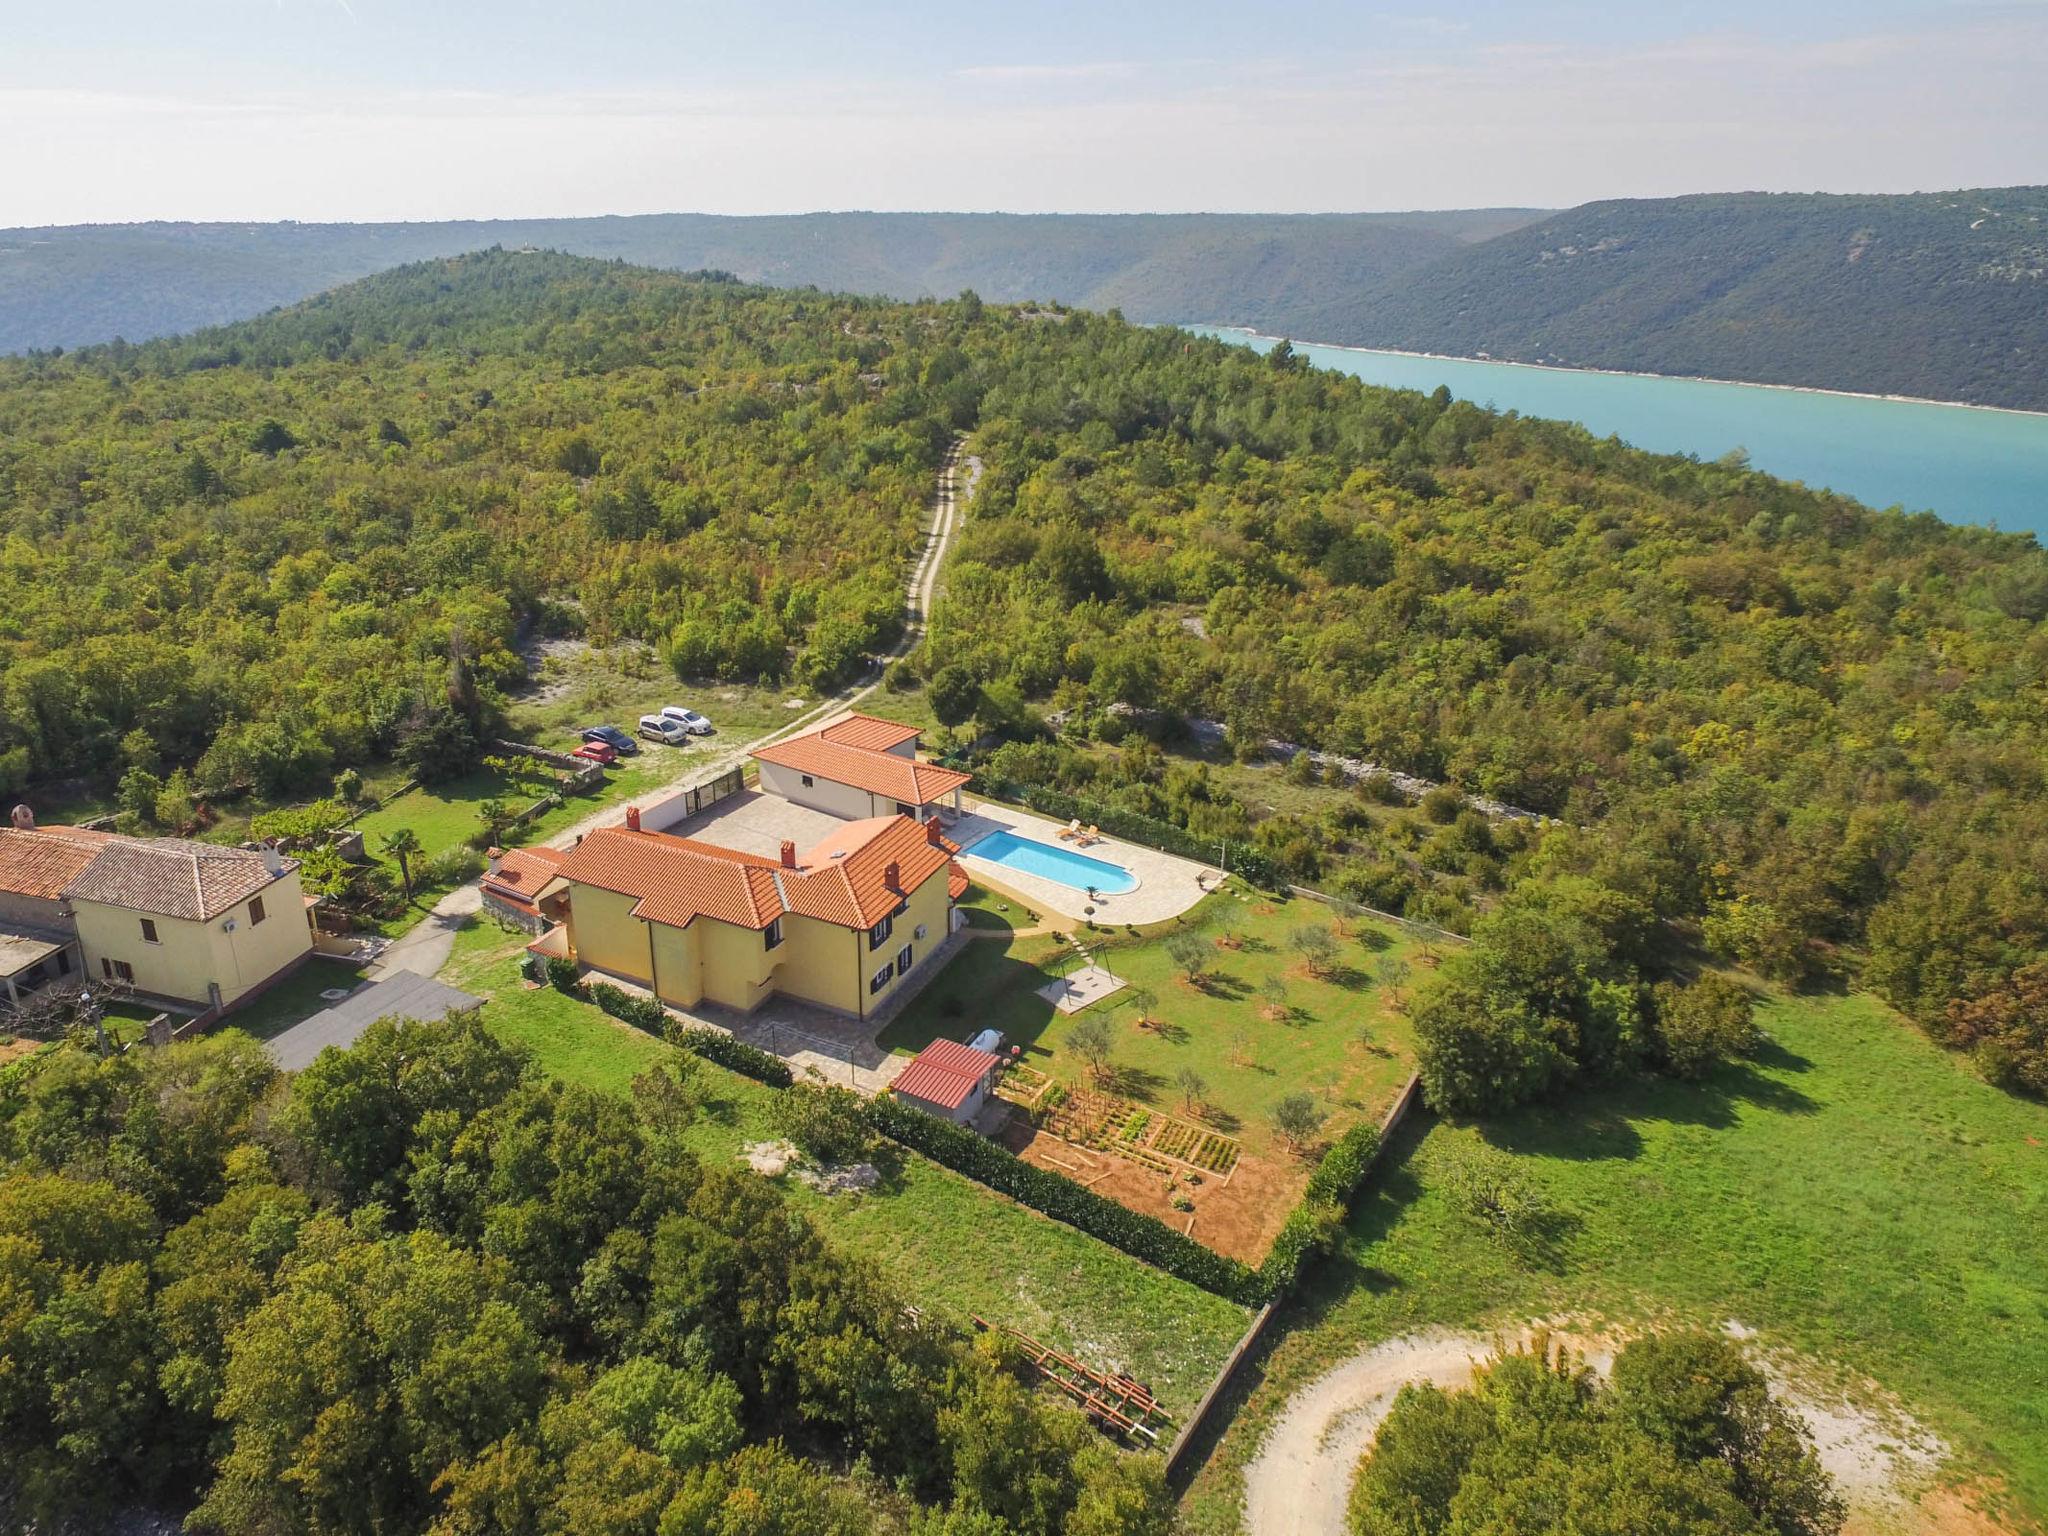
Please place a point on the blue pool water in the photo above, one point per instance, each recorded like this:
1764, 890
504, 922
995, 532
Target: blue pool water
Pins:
1053, 863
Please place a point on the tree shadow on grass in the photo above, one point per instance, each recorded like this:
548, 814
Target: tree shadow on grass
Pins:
1222, 984
1139, 1082
1349, 977
1372, 940
1598, 1124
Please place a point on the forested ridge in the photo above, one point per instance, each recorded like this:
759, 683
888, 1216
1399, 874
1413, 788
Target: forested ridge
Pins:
69, 286
1942, 295
1806, 733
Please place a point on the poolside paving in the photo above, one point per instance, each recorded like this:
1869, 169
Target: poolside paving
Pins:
1167, 885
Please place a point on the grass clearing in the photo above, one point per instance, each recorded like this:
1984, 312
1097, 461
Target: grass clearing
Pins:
1341, 1038
1855, 1194
946, 1243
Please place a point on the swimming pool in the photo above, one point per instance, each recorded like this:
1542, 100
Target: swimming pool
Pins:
1048, 862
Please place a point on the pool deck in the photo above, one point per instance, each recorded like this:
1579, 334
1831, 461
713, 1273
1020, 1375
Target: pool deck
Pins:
1167, 886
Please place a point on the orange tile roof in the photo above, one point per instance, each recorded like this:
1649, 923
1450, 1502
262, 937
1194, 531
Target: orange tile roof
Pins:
879, 773
869, 733
945, 1073
523, 871
843, 880
674, 879
956, 880
41, 862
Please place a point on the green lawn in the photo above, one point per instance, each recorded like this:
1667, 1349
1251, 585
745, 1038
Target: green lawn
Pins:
1856, 1194
618, 686
1342, 1038
945, 1242
294, 999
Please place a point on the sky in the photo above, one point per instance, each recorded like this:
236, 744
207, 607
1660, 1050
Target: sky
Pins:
117, 110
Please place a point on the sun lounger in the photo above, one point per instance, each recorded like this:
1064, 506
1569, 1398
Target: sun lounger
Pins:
1071, 830
1092, 835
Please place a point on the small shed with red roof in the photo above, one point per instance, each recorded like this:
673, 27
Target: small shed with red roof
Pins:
948, 1079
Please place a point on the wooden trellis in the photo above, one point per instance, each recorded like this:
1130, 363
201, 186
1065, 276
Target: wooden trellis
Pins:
1116, 1402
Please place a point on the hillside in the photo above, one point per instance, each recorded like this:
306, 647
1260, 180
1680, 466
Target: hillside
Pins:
1941, 295
256, 555
81, 284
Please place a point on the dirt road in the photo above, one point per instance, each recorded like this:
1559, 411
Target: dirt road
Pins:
1301, 1480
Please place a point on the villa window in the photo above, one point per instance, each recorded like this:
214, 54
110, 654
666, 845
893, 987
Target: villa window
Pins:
116, 970
903, 961
255, 910
809, 782
881, 979
905, 810
772, 934
149, 931
879, 934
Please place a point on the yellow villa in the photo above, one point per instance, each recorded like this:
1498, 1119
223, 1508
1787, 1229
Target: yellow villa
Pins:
841, 926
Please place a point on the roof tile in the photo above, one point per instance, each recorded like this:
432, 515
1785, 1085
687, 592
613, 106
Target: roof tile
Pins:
879, 773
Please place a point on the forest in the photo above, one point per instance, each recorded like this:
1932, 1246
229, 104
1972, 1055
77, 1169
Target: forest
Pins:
418, 1287
1942, 295
1773, 727
66, 287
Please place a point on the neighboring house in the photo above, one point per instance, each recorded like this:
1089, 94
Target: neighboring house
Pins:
510, 879
858, 766
841, 926
38, 942
948, 1079
183, 921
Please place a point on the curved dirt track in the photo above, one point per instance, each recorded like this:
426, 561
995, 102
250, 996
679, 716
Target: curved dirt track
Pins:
1300, 1481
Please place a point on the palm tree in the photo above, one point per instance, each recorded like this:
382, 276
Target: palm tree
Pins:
403, 844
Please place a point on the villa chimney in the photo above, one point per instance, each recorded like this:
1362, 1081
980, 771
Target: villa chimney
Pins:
892, 877
632, 818
273, 861
493, 857
24, 819
931, 831
788, 854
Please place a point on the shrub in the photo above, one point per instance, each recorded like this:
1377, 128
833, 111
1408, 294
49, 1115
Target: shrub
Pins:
452, 867
1143, 1237
1700, 1026
563, 977
826, 1122
1297, 1117
1442, 804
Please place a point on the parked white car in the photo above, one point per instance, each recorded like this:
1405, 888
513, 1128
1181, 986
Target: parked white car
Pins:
689, 719
662, 728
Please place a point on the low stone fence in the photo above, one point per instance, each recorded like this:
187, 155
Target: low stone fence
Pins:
1197, 1432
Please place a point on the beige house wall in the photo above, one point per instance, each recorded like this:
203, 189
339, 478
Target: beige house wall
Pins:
189, 958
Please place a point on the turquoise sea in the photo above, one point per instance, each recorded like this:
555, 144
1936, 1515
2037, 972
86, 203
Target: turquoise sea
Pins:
1966, 465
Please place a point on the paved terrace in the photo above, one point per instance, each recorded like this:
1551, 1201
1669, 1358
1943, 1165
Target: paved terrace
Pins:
757, 823
815, 1040
1167, 885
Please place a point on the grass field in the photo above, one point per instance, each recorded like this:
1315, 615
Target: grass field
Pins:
579, 686
945, 1242
1856, 1195
1342, 1037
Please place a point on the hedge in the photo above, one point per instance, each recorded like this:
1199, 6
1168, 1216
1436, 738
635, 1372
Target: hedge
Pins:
1141, 1236
1313, 1225
644, 1013
1135, 827
715, 1045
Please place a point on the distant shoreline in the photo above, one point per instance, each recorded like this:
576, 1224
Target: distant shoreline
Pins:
1628, 373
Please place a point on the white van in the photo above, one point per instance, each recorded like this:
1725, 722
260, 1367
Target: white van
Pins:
661, 728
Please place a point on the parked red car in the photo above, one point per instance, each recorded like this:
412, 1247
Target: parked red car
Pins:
596, 752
